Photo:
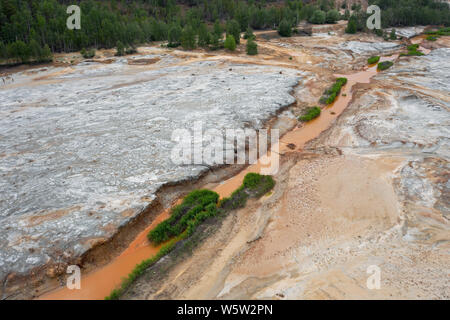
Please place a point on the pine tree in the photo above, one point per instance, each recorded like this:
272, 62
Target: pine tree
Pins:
188, 38
214, 41
174, 36
351, 26
393, 35
3, 52
318, 17
218, 29
252, 47
234, 29
249, 34
332, 16
35, 49
46, 54
285, 28
230, 43
120, 49
203, 36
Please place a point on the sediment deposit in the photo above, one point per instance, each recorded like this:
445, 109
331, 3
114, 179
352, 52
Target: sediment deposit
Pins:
85, 147
371, 191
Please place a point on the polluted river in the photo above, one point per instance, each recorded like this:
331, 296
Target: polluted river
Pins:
96, 175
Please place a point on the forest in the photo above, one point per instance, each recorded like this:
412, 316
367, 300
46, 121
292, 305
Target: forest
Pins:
31, 30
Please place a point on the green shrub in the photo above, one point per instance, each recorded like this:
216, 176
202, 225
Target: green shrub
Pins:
285, 28
352, 25
88, 54
385, 65
379, 32
332, 93
373, 60
234, 29
120, 49
432, 38
230, 43
255, 181
393, 35
412, 47
318, 17
193, 205
333, 16
249, 34
131, 50
188, 38
174, 36
252, 47
310, 114
412, 51
440, 32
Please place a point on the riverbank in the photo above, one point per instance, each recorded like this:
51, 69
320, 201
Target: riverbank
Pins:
314, 62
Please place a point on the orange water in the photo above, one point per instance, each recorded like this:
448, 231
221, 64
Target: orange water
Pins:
99, 283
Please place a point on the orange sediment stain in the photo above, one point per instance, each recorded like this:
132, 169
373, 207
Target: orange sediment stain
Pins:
99, 283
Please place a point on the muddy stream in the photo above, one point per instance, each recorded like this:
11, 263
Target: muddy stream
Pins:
99, 283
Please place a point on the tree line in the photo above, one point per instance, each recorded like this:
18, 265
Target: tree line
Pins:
30, 30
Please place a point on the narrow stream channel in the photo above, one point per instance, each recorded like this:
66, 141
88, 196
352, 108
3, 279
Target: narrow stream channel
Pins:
99, 283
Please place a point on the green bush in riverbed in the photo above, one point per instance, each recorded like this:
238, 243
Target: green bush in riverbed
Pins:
412, 51
385, 65
332, 93
194, 205
440, 32
310, 114
373, 60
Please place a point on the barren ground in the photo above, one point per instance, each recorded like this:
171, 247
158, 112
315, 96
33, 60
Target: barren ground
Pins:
371, 190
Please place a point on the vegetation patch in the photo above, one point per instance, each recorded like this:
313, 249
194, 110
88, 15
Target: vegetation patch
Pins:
412, 51
332, 93
440, 32
310, 114
285, 28
373, 60
230, 43
197, 207
385, 65
252, 47
87, 54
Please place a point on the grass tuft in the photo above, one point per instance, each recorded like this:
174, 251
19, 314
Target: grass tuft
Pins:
332, 93
373, 60
385, 65
310, 114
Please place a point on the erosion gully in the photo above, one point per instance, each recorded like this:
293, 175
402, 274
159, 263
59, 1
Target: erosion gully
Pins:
99, 283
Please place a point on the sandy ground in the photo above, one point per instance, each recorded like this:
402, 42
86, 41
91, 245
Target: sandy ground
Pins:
339, 209
329, 219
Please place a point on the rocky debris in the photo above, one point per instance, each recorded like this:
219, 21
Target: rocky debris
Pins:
407, 32
359, 47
